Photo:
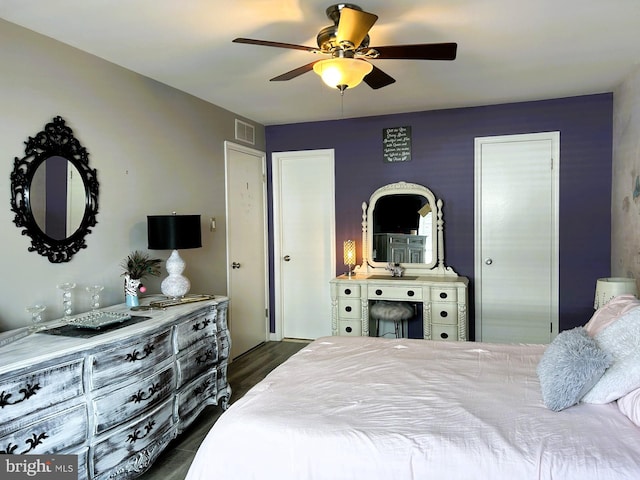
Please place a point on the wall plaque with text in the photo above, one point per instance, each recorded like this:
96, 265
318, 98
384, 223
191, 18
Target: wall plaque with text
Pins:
396, 144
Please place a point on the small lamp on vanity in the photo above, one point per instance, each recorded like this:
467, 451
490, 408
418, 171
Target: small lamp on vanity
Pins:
608, 288
350, 255
174, 232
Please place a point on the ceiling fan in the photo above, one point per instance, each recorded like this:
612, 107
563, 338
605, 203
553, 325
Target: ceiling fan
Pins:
347, 43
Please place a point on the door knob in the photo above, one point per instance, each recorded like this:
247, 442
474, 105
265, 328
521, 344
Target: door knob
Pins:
235, 265
488, 261
287, 258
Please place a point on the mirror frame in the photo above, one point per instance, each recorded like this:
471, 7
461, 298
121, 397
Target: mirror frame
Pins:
56, 139
437, 266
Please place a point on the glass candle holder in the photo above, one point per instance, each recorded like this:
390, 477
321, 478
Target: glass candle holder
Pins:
36, 317
67, 303
94, 291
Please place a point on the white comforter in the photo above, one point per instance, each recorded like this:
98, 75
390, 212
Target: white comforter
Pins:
369, 408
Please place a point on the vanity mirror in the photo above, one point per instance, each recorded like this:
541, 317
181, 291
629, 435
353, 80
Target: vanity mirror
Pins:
403, 224
54, 193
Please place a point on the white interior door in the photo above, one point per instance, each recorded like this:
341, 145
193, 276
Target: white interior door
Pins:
304, 242
247, 281
516, 222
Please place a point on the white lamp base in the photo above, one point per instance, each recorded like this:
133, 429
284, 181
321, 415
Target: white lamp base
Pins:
175, 285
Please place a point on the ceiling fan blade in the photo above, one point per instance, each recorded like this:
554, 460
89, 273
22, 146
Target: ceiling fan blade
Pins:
354, 26
424, 51
295, 72
378, 79
266, 43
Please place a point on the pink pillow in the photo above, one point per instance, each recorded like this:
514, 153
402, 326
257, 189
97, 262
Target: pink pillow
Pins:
629, 405
610, 312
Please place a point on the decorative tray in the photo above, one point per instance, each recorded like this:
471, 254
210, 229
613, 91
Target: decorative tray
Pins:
98, 320
171, 302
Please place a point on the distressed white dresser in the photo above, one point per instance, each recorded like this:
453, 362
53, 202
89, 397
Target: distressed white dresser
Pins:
115, 399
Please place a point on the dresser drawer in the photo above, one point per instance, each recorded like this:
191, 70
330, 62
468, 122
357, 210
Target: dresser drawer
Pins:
395, 293
349, 308
447, 333
119, 405
350, 328
197, 360
133, 447
349, 290
28, 392
111, 366
444, 294
45, 433
193, 398
444, 313
197, 326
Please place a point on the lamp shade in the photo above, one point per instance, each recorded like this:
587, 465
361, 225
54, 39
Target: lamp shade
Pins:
608, 288
342, 72
173, 232
349, 252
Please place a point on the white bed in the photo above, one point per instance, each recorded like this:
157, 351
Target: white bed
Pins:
370, 408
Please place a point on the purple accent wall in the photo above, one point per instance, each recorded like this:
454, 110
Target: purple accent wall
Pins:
443, 160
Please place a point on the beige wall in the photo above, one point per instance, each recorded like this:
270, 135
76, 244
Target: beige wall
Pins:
156, 150
625, 202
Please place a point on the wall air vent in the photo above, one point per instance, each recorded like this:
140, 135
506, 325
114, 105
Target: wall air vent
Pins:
245, 132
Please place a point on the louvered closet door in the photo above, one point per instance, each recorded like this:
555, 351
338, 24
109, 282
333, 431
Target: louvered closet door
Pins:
516, 285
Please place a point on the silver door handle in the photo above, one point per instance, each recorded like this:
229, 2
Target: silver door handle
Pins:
488, 261
287, 258
235, 265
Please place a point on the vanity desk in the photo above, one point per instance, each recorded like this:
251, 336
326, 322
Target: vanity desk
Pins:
115, 398
410, 211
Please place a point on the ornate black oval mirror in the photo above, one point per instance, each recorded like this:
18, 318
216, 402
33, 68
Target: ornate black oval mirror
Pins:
54, 193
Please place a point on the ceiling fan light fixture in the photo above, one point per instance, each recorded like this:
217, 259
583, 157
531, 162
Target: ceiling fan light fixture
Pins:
342, 73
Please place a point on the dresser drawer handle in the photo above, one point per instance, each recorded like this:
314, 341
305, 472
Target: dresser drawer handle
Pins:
411, 293
142, 395
347, 309
136, 435
27, 392
347, 291
201, 325
443, 295
208, 355
444, 335
378, 292
444, 314
200, 389
136, 355
348, 329
33, 442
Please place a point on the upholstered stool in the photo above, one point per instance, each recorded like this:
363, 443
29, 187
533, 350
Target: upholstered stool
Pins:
397, 312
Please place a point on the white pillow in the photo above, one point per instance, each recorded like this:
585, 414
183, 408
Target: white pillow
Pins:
622, 340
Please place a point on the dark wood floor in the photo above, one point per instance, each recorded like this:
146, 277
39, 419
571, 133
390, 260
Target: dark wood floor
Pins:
244, 372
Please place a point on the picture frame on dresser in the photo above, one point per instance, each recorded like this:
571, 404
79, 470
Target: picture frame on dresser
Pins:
402, 225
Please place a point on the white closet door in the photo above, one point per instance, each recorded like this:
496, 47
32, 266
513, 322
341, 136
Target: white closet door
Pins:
304, 237
516, 286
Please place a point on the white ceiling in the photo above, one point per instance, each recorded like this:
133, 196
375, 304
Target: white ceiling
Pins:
508, 50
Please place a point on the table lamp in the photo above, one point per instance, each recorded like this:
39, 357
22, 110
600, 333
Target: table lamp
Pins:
608, 288
174, 232
350, 255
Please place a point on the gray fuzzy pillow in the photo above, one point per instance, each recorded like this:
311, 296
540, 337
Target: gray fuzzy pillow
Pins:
570, 366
